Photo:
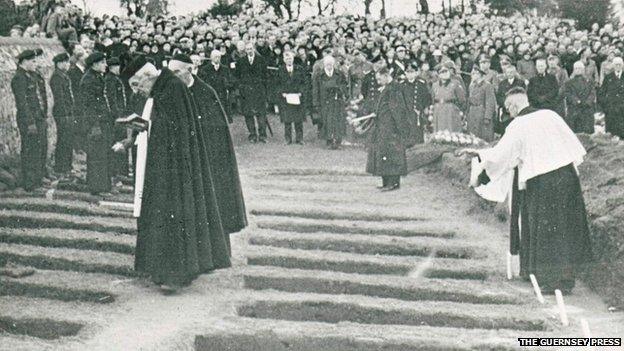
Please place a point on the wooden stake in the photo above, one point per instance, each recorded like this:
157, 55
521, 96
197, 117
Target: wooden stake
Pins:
536, 288
586, 331
562, 310
509, 273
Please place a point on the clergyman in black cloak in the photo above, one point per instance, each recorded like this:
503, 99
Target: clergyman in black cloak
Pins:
180, 234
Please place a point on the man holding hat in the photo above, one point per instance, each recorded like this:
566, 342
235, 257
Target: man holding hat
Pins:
180, 233
31, 103
97, 116
118, 97
64, 98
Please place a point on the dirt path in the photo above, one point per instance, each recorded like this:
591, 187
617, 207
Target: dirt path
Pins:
328, 263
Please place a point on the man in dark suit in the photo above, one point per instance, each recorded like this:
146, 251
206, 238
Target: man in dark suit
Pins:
611, 99
399, 65
543, 89
219, 77
291, 81
63, 93
97, 116
75, 73
580, 98
31, 119
512, 80
251, 73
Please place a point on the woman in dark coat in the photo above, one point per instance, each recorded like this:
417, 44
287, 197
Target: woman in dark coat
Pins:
390, 134
329, 92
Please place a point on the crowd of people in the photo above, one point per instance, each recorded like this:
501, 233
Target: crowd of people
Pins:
415, 75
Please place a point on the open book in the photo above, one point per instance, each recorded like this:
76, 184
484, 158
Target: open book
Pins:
133, 120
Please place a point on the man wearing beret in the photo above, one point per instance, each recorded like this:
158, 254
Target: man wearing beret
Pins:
31, 103
117, 95
180, 234
97, 116
63, 93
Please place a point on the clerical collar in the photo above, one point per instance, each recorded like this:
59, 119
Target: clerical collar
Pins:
216, 67
80, 66
329, 73
527, 110
191, 82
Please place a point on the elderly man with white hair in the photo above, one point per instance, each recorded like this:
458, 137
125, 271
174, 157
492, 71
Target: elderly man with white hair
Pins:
611, 99
549, 227
579, 95
219, 77
180, 234
329, 93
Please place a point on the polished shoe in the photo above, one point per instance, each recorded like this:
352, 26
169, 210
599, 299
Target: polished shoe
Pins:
299, 142
289, 142
262, 140
391, 187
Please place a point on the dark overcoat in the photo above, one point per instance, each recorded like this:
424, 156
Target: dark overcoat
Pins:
292, 83
221, 81
611, 99
62, 111
252, 82
97, 115
329, 100
390, 134
221, 156
31, 107
543, 92
580, 97
503, 118
180, 234
80, 128
118, 95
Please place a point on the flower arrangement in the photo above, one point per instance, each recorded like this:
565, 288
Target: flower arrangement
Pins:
361, 124
453, 138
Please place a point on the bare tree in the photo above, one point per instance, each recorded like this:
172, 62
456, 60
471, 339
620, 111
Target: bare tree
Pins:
382, 13
424, 7
367, 5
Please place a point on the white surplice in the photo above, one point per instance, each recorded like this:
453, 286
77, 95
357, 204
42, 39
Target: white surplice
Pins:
536, 143
141, 143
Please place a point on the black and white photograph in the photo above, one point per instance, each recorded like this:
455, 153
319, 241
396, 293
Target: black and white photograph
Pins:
311, 175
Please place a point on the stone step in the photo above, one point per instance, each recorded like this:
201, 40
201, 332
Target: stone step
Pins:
48, 319
366, 264
19, 342
25, 219
302, 172
400, 229
251, 334
368, 310
369, 245
77, 208
400, 288
69, 238
83, 188
64, 259
259, 195
323, 213
37, 328
68, 195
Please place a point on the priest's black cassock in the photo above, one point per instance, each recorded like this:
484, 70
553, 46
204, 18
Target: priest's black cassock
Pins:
221, 156
554, 241
180, 234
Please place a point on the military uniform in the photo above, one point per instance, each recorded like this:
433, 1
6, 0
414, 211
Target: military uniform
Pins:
31, 103
97, 115
419, 99
79, 128
503, 118
62, 111
543, 92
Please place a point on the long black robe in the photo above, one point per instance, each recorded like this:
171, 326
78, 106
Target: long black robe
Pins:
390, 134
221, 156
180, 234
553, 238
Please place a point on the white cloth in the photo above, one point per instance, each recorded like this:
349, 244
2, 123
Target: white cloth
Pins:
293, 99
496, 190
141, 142
536, 143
